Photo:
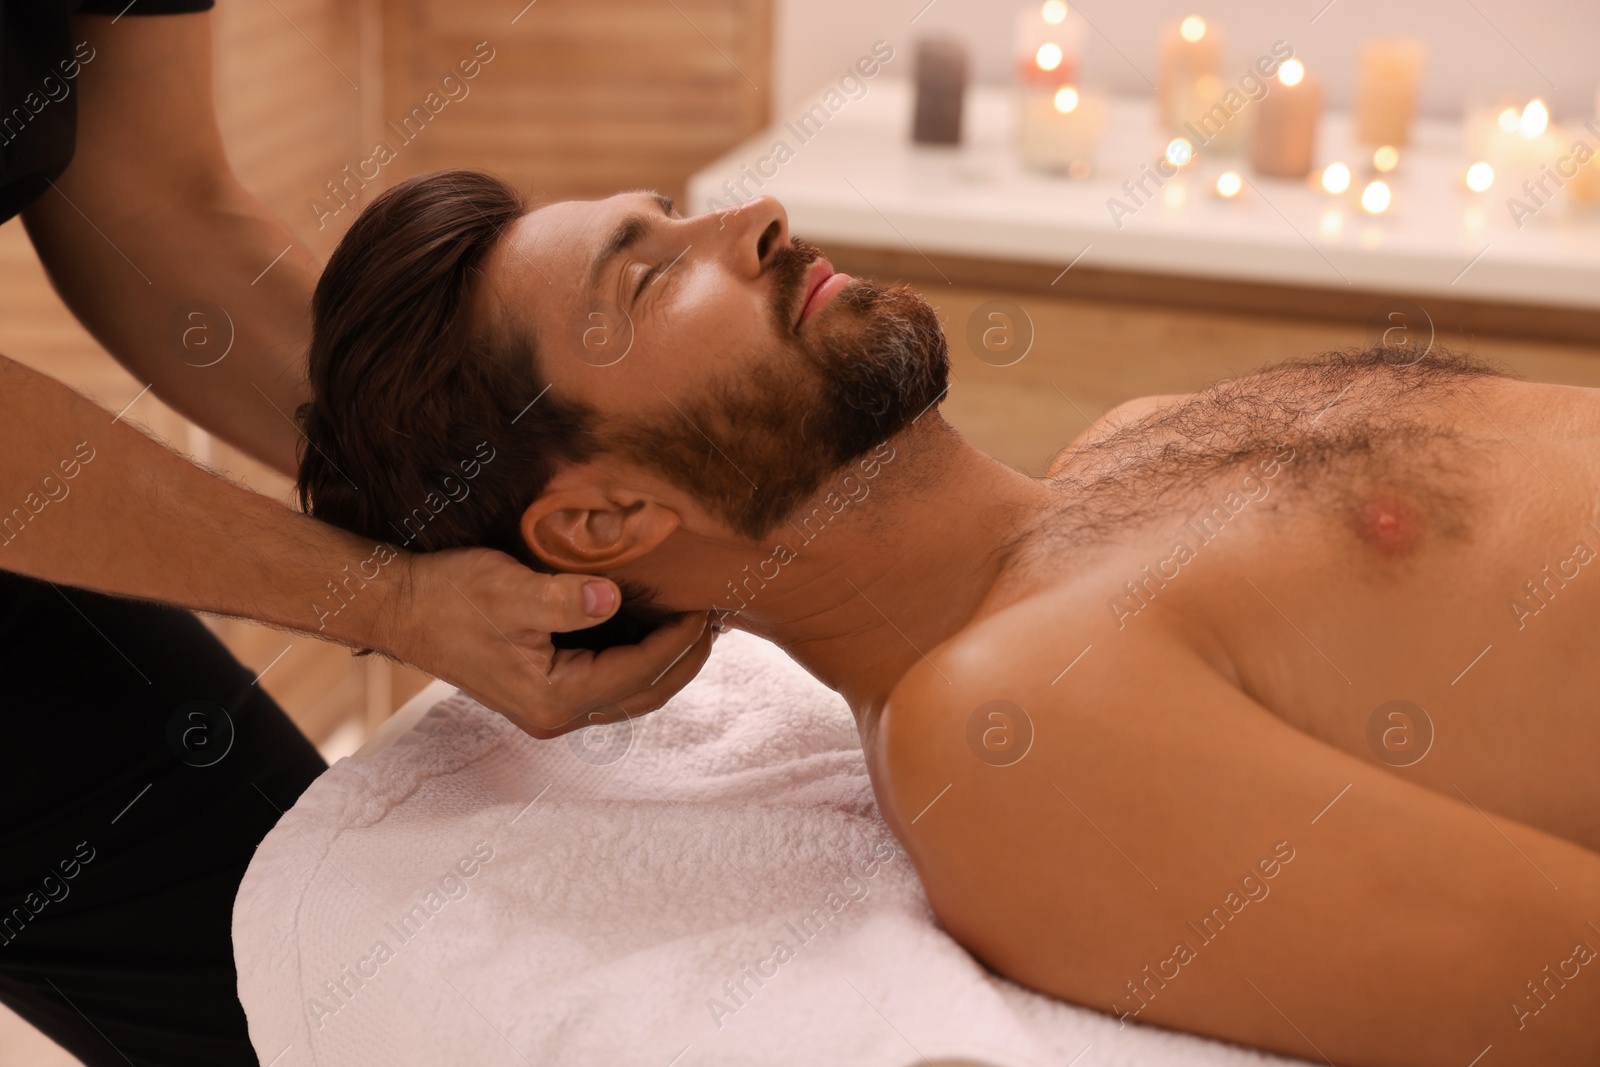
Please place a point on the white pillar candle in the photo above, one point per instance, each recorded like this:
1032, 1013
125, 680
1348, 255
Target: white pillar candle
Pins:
1520, 143
1058, 129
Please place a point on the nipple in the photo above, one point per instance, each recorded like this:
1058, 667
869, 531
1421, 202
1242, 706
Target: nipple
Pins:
1390, 523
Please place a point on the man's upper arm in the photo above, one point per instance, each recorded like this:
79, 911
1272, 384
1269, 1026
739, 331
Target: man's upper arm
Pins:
1170, 851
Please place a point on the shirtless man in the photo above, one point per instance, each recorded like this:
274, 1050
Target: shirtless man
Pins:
1267, 715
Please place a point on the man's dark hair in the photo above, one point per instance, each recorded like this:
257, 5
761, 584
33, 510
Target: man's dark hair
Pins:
420, 432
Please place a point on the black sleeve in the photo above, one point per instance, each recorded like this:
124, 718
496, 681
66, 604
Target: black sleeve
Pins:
142, 7
38, 70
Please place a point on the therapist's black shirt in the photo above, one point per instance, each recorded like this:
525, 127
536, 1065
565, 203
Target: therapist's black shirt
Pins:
40, 61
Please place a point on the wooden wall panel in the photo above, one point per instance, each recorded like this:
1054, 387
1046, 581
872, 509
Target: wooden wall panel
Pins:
583, 99
290, 100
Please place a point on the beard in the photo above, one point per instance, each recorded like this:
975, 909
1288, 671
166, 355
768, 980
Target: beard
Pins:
755, 447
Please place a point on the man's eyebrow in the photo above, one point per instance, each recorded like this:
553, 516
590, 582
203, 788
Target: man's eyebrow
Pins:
628, 233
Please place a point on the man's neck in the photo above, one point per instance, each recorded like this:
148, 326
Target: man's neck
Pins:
892, 557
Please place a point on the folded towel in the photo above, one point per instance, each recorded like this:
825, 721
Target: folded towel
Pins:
711, 884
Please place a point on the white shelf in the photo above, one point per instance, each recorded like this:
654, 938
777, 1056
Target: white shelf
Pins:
860, 181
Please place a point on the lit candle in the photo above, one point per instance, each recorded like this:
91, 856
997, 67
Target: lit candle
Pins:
1517, 144
1057, 129
1286, 123
1058, 124
1048, 42
941, 79
1206, 117
1189, 51
1386, 92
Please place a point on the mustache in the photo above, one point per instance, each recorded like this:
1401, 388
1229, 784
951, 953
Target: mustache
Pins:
788, 268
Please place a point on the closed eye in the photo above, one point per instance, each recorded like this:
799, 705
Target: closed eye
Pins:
630, 231
644, 280
669, 209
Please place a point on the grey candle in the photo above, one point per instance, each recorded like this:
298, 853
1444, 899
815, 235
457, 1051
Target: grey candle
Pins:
941, 81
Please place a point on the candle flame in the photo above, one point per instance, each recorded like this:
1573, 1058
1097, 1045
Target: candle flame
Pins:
1375, 198
1055, 12
1480, 177
1066, 99
1385, 159
1049, 56
1192, 28
1228, 184
1336, 178
1292, 72
1510, 119
1535, 117
1179, 151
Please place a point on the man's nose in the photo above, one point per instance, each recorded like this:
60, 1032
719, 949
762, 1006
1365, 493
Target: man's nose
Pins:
756, 230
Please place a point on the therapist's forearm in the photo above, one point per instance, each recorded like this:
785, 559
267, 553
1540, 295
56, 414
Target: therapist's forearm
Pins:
198, 309
90, 502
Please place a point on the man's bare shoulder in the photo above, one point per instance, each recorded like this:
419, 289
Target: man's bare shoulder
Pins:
1128, 411
1047, 660
1089, 815
1020, 640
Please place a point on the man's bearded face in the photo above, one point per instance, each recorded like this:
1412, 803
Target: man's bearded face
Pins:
693, 342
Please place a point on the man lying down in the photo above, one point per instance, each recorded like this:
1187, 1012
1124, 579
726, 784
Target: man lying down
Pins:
1326, 630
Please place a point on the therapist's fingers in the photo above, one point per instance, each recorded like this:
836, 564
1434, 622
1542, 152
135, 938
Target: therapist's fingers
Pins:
561, 603
629, 680
481, 620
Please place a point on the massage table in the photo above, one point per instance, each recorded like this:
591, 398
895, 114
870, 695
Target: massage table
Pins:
710, 884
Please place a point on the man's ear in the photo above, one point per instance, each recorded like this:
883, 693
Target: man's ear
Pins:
586, 523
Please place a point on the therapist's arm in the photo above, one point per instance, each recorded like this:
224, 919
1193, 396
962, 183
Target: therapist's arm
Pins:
149, 220
86, 500
149, 223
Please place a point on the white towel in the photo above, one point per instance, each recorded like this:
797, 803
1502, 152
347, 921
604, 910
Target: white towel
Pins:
717, 888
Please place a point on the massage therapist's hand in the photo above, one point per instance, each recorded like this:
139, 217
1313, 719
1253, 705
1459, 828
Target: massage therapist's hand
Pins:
479, 619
